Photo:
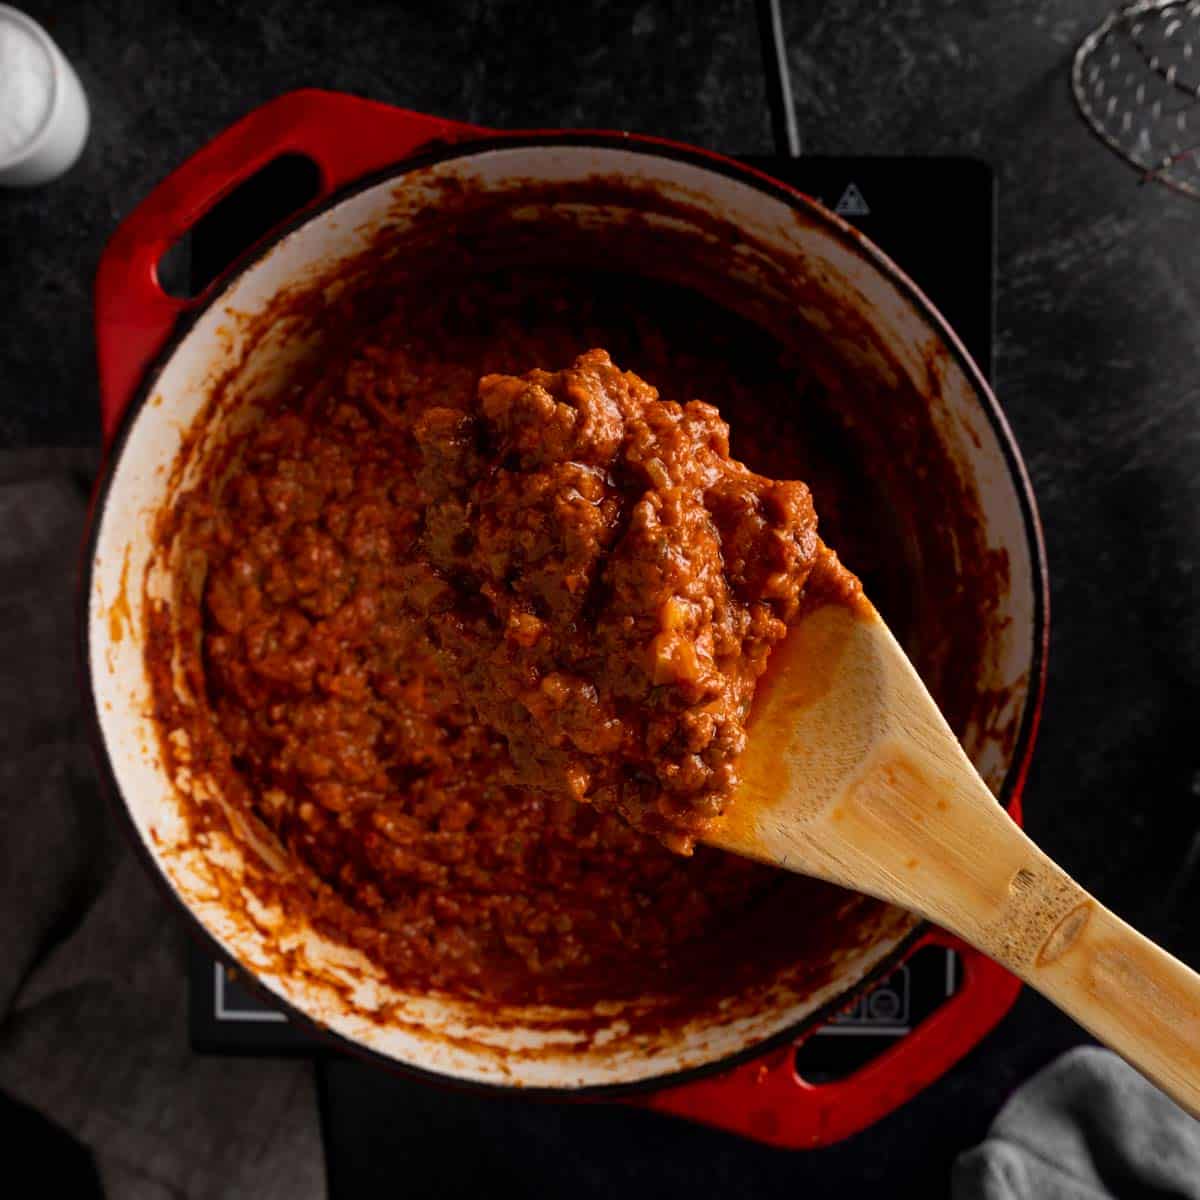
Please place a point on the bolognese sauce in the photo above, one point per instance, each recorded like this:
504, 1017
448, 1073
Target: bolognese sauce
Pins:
479, 617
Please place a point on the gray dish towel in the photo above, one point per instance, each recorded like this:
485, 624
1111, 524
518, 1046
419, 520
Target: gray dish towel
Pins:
1087, 1127
93, 978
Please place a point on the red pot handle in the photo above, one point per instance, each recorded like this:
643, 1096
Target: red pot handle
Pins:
344, 136
767, 1100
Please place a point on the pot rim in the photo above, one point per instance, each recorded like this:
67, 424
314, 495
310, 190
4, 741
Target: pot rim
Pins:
650, 147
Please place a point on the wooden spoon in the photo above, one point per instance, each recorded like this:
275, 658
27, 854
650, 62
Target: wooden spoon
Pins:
851, 774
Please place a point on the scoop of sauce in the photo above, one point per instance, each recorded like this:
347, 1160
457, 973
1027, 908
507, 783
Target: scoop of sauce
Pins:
605, 583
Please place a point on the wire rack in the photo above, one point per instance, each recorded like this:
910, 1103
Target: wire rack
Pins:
1136, 80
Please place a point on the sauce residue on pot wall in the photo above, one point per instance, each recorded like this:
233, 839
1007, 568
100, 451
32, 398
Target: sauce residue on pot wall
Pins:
119, 615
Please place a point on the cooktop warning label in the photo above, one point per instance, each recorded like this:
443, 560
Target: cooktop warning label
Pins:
852, 203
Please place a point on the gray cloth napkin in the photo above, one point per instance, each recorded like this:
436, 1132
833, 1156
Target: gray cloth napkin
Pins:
1087, 1127
93, 978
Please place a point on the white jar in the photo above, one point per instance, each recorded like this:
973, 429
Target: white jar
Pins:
43, 111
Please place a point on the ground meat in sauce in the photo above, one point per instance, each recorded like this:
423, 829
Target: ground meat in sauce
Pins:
606, 584
325, 712
334, 721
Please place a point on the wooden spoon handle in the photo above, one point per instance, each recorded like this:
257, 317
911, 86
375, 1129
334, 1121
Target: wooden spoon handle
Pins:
1127, 991
962, 862
937, 841
859, 780
966, 865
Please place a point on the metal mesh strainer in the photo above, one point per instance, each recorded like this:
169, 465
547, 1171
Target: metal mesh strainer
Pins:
1137, 83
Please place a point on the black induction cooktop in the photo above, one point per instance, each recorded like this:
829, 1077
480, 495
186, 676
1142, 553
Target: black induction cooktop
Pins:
936, 218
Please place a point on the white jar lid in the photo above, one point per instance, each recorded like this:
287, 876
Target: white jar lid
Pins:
43, 111
26, 87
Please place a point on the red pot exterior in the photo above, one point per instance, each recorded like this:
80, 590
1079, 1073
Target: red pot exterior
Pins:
349, 138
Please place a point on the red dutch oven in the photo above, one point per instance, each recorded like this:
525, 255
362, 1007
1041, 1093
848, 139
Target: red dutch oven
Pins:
384, 172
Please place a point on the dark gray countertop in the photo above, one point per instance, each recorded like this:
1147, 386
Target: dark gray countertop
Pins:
1097, 368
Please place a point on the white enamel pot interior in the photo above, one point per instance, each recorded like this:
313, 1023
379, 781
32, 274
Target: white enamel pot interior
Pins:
798, 264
